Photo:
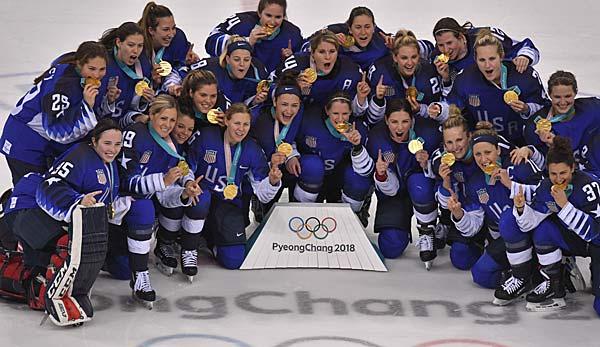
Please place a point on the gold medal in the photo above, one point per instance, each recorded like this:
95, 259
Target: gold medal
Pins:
310, 75
269, 30
562, 186
448, 159
342, 127
543, 125
111, 211
184, 167
165, 67
285, 148
415, 145
140, 86
510, 96
348, 41
230, 191
92, 81
443, 58
412, 92
262, 86
489, 168
211, 116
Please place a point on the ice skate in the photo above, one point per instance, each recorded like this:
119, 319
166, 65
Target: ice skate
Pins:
548, 295
427, 252
142, 291
189, 264
166, 262
511, 290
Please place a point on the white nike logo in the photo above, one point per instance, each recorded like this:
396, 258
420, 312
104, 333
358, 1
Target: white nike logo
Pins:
244, 167
240, 234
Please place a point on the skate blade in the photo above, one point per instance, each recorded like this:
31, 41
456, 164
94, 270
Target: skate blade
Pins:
502, 302
147, 304
428, 265
165, 270
546, 306
190, 279
44, 319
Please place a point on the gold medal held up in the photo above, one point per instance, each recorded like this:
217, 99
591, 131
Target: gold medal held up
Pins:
230, 191
489, 168
184, 167
211, 116
543, 125
443, 58
348, 41
92, 81
269, 29
343, 127
262, 86
165, 68
562, 186
412, 92
140, 86
510, 96
310, 75
448, 159
415, 145
285, 148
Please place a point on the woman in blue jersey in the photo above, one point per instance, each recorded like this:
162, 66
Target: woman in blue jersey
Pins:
152, 169
563, 216
56, 111
335, 165
275, 129
129, 72
225, 158
406, 75
237, 72
487, 198
272, 37
402, 187
42, 208
165, 42
455, 52
200, 95
322, 71
495, 91
575, 118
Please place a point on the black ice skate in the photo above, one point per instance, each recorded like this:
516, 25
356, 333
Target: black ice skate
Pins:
511, 290
166, 261
142, 291
549, 295
427, 252
189, 263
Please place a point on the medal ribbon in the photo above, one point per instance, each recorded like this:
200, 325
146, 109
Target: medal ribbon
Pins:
162, 143
231, 167
137, 75
503, 80
276, 134
333, 131
158, 55
561, 116
420, 95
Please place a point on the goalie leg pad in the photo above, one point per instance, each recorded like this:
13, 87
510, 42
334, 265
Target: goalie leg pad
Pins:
67, 300
12, 274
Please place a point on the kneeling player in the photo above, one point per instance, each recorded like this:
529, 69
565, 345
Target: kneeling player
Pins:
63, 228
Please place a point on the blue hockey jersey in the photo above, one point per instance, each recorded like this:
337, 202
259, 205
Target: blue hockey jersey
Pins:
268, 51
52, 111
263, 126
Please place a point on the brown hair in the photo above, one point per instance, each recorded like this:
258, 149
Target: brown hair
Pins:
152, 12
323, 35
449, 24
85, 52
264, 3
237, 107
562, 78
360, 11
161, 103
561, 151
191, 83
484, 128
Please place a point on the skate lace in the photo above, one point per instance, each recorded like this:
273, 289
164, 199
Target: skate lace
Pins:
167, 250
542, 287
512, 284
142, 282
189, 258
425, 243
441, 231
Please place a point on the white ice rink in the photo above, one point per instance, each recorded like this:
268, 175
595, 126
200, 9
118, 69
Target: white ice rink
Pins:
406, 306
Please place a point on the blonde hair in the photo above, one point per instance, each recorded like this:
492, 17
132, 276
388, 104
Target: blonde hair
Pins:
232, 39
486, 38
455, 119
323, 35
238, 107
484, 128
405, 38
161, 103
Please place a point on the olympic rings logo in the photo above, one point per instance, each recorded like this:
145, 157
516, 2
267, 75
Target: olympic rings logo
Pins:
320, 228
